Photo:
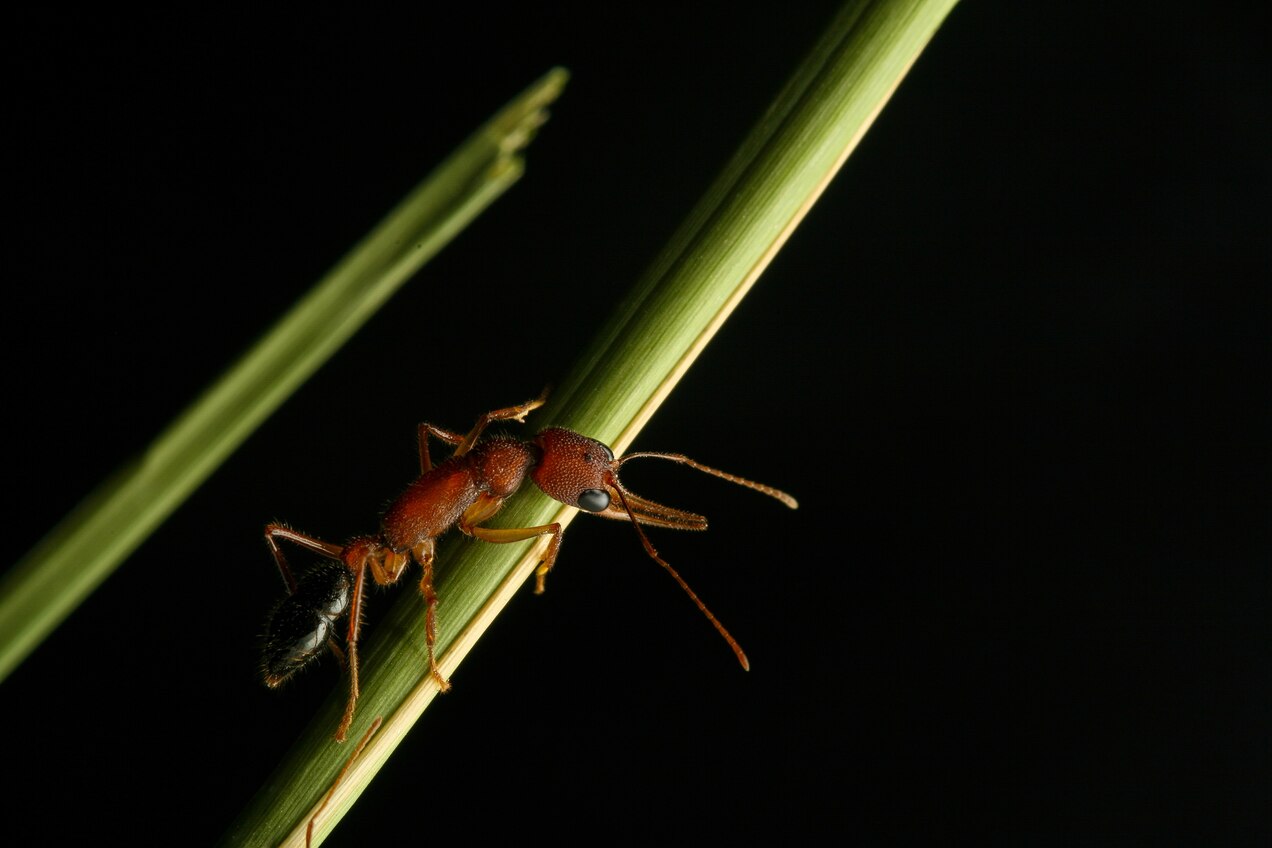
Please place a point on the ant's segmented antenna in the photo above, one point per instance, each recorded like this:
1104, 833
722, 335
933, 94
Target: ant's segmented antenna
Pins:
649, 549
623, 494
715, 472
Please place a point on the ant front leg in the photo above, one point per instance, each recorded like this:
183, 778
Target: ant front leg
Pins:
520, 534
485, 508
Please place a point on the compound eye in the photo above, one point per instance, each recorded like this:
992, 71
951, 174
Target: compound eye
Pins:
594, 500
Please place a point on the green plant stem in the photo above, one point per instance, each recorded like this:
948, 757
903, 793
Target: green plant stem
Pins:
638, 355
69, 563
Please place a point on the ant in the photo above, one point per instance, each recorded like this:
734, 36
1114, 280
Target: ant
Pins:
465, 490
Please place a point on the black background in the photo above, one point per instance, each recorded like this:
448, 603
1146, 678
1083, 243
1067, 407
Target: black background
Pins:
1014, 365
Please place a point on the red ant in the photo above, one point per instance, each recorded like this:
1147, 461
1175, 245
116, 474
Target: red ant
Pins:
465, 490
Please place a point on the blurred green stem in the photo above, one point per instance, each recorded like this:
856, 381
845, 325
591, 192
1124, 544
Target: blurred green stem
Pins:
69, 563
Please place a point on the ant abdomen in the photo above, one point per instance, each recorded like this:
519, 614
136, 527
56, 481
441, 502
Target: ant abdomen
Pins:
301, 625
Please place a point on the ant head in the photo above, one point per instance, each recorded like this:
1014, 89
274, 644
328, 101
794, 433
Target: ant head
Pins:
583, 473
575, 470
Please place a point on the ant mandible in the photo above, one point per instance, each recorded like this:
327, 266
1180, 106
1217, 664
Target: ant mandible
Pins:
465, 490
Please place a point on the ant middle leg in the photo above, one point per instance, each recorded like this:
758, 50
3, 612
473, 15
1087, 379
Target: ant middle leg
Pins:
508, 413
425, 430
464, 442
423, 553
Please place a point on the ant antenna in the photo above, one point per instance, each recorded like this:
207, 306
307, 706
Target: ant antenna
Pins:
649, 549
653, 553
715, 472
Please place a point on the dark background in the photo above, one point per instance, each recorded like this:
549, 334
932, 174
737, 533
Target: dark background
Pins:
1014, 365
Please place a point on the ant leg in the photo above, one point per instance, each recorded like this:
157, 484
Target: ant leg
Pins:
357, 752
276, 531
509, 413
484, 508
335, 649
355, 560
425, 430
465, 443
518, 534
423, 553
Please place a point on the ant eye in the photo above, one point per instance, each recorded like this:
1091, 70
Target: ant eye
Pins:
609, 456
594, 500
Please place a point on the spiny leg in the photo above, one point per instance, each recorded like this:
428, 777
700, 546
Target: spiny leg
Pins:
465, 443
275, 531
424, 431
355, 559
